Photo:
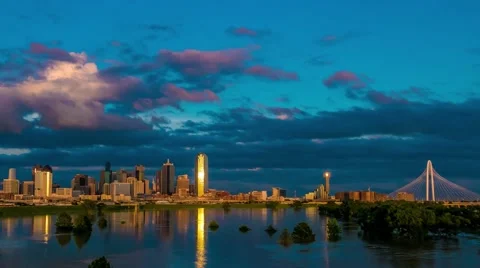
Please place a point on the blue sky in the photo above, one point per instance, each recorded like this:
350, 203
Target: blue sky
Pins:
356, 80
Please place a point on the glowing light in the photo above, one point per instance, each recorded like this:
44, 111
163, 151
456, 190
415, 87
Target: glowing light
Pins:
326, 174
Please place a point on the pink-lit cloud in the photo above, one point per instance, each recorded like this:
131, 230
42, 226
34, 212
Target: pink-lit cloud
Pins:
346, 79
56, 54
199, 63
270, 73
285, 113
241, 31
381, 98
173, 95
69, 95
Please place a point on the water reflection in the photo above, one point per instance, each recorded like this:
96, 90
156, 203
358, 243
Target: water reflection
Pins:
183, 216
201, 259
41, 227
82, 239
63, 239
121, 244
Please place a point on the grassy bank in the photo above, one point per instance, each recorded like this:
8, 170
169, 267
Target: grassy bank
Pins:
45, 210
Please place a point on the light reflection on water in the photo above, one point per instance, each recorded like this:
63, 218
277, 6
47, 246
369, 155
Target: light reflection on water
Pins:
180, 238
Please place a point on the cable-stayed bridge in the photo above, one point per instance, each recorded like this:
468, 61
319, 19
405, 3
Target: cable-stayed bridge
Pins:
430, 186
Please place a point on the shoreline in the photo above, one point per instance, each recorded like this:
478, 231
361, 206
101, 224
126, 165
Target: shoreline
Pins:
23, 211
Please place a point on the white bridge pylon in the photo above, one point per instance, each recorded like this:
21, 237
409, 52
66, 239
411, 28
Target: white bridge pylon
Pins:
430, 186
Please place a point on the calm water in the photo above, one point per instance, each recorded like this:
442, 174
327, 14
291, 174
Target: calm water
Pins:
180, 238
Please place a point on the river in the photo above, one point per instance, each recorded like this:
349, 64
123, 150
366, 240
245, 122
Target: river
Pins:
180, 238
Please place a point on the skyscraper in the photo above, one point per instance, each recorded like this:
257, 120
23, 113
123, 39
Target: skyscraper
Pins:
11, 185
182, 185
44, 182
167, 178
201, 174
140, 172
105, 176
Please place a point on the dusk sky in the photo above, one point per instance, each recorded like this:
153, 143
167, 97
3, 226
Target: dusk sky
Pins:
274, 92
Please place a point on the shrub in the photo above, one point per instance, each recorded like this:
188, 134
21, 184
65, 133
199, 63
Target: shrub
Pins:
244, 229
213, 226
333, 230
272, 204
226, 206
285, 238
82, 224
64, 223
270, 230
100, 263
302, 233
102, 223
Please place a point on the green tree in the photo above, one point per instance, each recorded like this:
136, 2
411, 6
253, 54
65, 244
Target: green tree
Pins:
285, 238
82, 224
302, 233
213, 226
64, 223
272, 205
244, 229
100, 263
270, 230
226, 207
102, 223
333, 230
296, 205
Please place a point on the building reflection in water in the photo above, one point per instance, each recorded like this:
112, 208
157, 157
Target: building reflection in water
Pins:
312, 214
163, 224
324, 224
277, 216
201, 259
8, 226
41, 227
183, 217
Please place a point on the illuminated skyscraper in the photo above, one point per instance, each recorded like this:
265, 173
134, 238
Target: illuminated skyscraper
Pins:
44, 182
201, 174
182, 185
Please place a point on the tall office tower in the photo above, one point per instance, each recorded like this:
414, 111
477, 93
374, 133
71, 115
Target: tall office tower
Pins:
140, 172
158, 181
327, 176
133, 186
28, 188
122, 176
182, 185
44, 182
201, 174
12, 174
147, 187
167, 178
105, 176
80, 182
11, 185
35, 168
92, 185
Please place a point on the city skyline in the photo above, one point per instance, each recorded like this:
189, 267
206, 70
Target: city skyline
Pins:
350, 87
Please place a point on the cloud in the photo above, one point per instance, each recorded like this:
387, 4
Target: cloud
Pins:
69, 94
173, 95
333, 39
244, 31
55, 54
196, 63
270, 73
286, 113
283, 99
378, 97
346, 79
319, 61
